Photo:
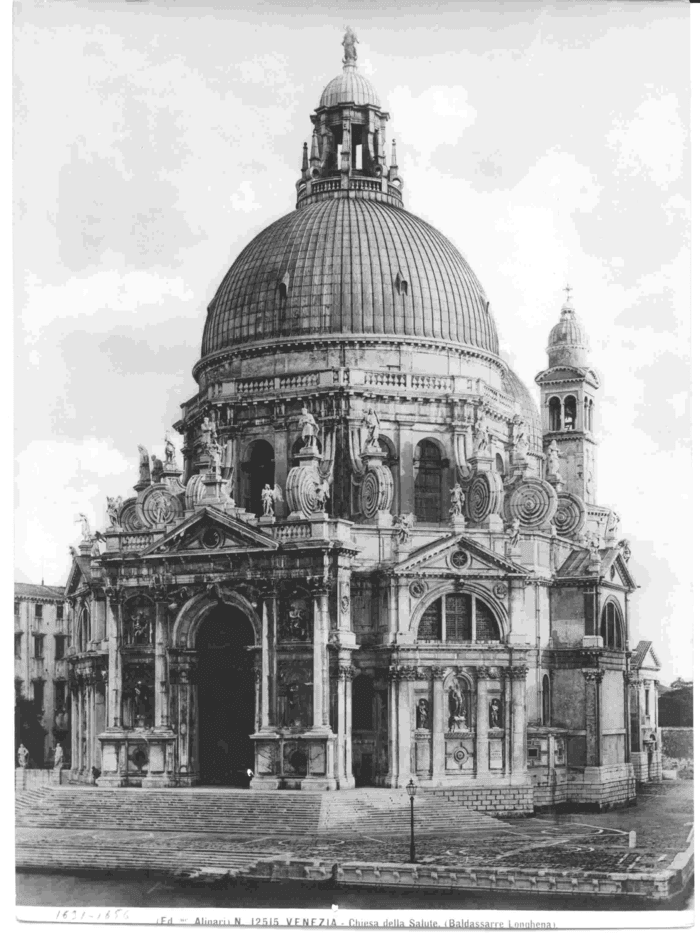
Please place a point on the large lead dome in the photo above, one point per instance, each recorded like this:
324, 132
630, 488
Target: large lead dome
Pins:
351, 266
350, 261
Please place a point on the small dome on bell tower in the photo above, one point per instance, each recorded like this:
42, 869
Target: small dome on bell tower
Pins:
568, 342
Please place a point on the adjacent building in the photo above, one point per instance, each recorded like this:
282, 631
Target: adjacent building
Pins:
41, 674
381, 559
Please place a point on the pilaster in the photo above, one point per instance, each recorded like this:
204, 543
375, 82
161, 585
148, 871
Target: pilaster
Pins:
482, 723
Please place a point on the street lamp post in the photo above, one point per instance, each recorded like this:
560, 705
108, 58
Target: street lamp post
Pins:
411, 789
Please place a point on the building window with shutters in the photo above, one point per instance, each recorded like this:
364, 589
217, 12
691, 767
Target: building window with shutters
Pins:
458, 618
60, 649
59, 612
59, 695
38, 611
38, 646
38, 686
428, 484
18, 647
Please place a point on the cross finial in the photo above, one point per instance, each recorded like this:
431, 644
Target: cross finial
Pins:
568, 290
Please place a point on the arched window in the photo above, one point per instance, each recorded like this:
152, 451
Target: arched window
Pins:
611, 626
258, 471
428, 487
554, 413
458, 618
546, 701
500, 467
570, 412
84, 635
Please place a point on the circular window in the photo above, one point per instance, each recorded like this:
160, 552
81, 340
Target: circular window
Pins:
212, 539
460, 559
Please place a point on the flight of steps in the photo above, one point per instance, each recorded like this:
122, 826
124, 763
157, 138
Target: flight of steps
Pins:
383, 813
231, 812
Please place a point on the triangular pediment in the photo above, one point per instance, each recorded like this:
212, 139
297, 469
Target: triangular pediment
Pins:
443, 556
617, 571
644, 657
210, 530
79, 575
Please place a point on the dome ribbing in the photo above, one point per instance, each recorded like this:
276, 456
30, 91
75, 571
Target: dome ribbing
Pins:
349, 87
349, 266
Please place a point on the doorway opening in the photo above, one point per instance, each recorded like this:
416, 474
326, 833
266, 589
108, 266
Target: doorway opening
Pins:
226, 698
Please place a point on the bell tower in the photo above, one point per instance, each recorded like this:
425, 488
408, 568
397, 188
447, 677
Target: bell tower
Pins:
568, 389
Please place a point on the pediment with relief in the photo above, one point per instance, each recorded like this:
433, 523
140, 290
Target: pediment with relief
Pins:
457, 555
210, 530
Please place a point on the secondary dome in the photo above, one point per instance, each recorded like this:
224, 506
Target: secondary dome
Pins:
349, 266
568, 342
349, 87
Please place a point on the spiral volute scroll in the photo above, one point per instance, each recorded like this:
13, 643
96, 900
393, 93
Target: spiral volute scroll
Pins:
484, 496
301, 489
377, 491
128, 519
194, 492
532, 502
570, 515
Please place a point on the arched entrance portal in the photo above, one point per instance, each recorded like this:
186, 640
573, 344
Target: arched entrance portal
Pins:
226, 697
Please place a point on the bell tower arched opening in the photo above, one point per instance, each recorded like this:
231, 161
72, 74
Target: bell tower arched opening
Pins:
258, 471
226, 697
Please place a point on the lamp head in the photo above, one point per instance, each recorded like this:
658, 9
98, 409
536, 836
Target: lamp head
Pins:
411, 788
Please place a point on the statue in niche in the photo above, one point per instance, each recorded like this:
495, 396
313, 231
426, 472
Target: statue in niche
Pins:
457, 704
553, 458
144, 466
350, 40
114, 506
22, 755
371, 421
422, 714
308, 428
295, 703
141, 627
296, 625
58, 756
269, 497
456, 501
481, 437
169, 450
495, 714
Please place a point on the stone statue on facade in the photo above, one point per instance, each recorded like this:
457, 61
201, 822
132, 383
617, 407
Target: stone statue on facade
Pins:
169, 450
422, 714
215, 452
350, 40
308, 427
456, 501
58, 757
114, 506
553, 459
269, 497
624, 547
144, 466
157, 469
481, 436
371, 421
23, 755
513, 533
521, 440
85, 531
96, 540
495, 714
613, 523
403, 527
457, 706
322, 494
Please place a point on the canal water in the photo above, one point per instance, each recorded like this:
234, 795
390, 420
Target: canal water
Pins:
157, 891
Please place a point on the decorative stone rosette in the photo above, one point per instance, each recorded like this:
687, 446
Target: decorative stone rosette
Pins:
301, 489
377, 490
484, 496
570, 515
158, 506
531, 501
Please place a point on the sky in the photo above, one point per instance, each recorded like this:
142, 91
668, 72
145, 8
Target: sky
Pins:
154, 140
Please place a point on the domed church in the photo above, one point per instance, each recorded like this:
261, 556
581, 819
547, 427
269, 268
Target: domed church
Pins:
380, 559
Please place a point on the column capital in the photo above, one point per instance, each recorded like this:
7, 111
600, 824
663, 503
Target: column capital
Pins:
347, 672
112, 593
482, 673
438, 673
519, 672
592, 676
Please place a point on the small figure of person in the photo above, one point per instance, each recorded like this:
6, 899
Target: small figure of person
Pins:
58, 756
422, 714
23, 755
495, 714
308, 427
456, 501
